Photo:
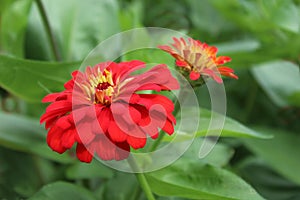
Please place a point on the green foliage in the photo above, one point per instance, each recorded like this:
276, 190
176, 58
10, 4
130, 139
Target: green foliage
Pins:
230, 128
199, 181
26, 135
78, 27
88, 171
13, 23
59, 190
281, 159
31, 80
280, 80
256, 156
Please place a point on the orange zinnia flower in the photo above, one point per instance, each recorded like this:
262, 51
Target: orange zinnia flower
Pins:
199, 59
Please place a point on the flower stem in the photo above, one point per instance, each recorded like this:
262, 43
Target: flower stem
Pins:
141, 178
50, 34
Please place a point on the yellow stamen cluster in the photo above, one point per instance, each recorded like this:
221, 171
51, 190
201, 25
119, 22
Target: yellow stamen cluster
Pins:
105, 88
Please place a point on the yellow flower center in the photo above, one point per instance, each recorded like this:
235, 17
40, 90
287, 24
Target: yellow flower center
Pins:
105, 88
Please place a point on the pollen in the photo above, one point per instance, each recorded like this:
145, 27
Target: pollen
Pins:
104, 89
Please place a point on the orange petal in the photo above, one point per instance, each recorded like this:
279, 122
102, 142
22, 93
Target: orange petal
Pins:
222, 59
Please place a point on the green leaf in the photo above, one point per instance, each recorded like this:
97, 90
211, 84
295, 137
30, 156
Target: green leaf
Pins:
14, 18
263, 15
199, 181
286, 15
279, 79
78, 27
268, 183
294, 99
281, 152
200, 10
247, 45
231, 127
88, 170
32, 80
63, 190
219, 156
26, 135
131, 16
13, 166
122, 187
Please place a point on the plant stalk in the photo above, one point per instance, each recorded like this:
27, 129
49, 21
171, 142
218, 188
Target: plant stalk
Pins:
49, 32
141, 178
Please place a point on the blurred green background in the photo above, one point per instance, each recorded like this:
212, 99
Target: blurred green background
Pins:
261, 36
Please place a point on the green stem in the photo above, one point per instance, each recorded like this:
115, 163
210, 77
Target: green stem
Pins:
137, 193
50, 34
154, 146
141, 178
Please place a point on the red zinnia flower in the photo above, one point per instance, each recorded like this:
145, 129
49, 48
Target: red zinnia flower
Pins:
102, 112
199, 59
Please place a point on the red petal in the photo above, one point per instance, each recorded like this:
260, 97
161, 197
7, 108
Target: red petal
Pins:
85, 133
51, 97
166, 48
115, 133
181, 63
194, 75
212, 50
104, 119
63, 123
106, 149
122, 151
83, 154
148, 100
56, 109
68, 138
54, 140
135, 114
136, 142
225, 69
154, 136
222, 59
212, 74
168, 127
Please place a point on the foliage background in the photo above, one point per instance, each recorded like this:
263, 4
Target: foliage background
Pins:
261, 36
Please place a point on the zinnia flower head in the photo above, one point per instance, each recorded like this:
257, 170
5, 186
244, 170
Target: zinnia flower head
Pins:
103, 112
198, 59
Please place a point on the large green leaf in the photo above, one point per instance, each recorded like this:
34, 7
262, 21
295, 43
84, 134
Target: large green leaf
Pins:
63, 190
231, 127
122, 186
219, 156
88, 170
247, 45
294, 99
281, 152
279, 79
23, 134
15, 165
14, 18
199, 181
31, 80
200, 10
267, 182
78, 27
261, 15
